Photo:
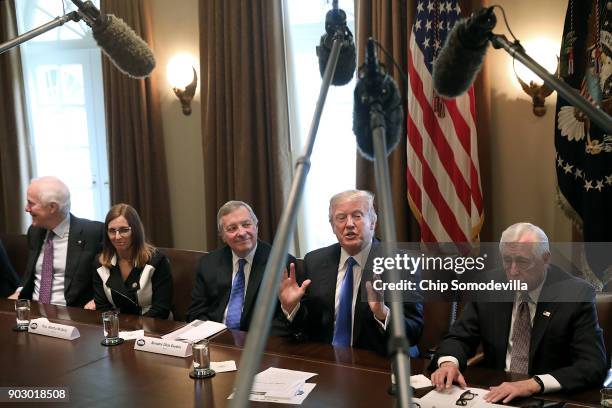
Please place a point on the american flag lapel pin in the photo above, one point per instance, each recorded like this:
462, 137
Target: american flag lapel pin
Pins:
546, 313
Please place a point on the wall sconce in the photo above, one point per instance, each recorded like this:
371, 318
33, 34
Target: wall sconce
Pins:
542, 50
538, 93
180, 72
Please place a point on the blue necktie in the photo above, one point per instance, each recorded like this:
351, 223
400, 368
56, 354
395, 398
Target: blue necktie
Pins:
344, 320
234, 308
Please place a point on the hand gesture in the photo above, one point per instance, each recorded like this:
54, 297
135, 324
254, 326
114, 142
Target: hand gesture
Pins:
290, 293
376, 302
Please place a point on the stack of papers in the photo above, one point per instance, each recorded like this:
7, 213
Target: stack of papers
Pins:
280, 385
195, 331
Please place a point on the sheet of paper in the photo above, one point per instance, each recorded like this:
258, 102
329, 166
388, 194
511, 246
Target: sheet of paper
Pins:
131, 335
420, 381
195, 331
223, 366
295, 400
280, 383
448, 398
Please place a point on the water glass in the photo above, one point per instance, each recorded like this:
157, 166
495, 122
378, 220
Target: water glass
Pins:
22, 310
201, 360
110, 321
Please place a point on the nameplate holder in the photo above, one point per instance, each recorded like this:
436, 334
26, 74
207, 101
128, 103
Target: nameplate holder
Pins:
47, 328
161, 346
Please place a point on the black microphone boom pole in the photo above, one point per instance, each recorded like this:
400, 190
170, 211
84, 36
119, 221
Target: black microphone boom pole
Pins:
371, 94
597, 115
58, 21
461, 58
268, 293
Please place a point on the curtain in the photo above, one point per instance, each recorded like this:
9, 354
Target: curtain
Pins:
136, 153
390, 23
245, 121
14, 160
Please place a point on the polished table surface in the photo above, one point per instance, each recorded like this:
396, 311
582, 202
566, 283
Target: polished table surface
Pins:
120, 376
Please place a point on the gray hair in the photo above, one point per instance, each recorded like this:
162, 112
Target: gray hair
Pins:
53, 190
353, 195
516, 231
232, 206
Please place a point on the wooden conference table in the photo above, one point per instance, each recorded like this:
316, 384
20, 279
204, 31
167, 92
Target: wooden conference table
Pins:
119, 376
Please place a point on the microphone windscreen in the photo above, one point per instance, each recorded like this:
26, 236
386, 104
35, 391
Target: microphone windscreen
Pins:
457, 64
124, 47
393, 114
347, 60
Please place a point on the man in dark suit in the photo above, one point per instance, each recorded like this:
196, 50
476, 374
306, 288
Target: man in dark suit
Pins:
62, 248
227, 280
322, 307
8, 278
550, 332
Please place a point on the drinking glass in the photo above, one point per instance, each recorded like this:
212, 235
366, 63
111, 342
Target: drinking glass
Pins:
22, 311
201, 360
110, 321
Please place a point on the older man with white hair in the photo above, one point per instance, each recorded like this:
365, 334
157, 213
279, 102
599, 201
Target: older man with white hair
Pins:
62, 248
550, 332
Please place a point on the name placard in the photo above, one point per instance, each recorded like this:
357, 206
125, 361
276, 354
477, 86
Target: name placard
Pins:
47, 328
161, 346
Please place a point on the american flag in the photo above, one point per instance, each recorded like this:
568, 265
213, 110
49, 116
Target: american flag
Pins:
443, 173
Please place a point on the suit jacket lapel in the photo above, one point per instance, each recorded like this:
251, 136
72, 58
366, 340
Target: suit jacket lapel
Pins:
501, 320
74, 250
326, 277
362, 307
544, 312
255, 276
38, 238
329, 278
224, 281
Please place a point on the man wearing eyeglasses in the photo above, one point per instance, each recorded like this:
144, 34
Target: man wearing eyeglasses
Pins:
62, 248
228, 279
330, 305
550, 332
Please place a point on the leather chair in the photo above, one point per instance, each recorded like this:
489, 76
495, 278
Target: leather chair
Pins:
437, 316
183, 263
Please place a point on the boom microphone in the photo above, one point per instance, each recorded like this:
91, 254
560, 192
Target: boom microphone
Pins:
335, 24
128, 52
463, 53
375, 89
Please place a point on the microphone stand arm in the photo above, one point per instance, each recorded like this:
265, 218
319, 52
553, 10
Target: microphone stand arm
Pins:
56, 22
516, 50
268, 292
398, 344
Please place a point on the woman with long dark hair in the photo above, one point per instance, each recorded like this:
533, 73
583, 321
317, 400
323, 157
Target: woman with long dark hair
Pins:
131, 274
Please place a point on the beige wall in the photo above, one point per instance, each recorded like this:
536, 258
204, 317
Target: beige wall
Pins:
522, 149
522, 144
176, 31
